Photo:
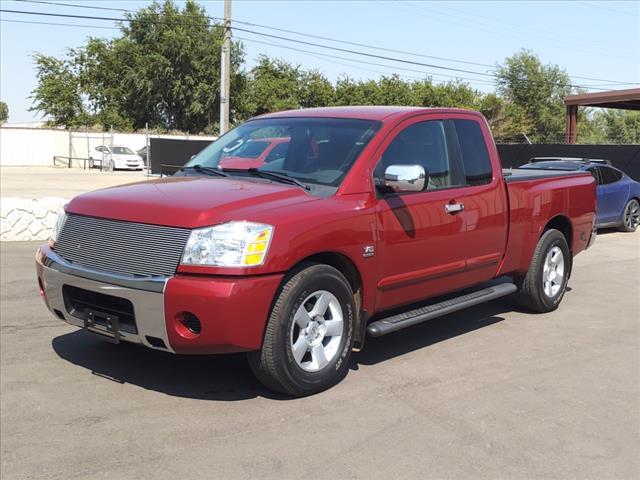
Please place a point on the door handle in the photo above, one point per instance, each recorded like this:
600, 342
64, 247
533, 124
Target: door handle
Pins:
453, 207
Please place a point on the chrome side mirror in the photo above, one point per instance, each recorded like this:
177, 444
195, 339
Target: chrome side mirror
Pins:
405, 178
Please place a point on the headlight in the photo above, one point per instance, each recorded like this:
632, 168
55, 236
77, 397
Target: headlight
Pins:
232, 244
62, 217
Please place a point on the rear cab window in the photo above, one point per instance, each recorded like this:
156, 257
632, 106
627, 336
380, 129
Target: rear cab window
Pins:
473, 152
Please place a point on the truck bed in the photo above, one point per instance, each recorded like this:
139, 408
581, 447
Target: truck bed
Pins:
523, 174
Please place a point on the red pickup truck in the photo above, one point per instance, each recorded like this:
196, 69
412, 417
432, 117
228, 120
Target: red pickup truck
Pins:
372, 219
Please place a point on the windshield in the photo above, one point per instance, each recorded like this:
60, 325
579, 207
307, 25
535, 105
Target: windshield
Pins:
318, 150
250, 149
122, 151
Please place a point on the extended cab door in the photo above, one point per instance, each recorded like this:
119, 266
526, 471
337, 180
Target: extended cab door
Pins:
421, 239
484, 198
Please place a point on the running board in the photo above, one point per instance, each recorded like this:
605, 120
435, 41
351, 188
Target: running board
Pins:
419, 315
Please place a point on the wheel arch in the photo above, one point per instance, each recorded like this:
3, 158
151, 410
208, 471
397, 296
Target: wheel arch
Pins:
563, 225
349, 269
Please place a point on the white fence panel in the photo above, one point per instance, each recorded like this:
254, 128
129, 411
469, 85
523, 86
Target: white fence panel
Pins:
31, 146
23, 147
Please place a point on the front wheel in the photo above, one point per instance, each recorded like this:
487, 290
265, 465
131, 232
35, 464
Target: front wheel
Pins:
543, 287
309, 334
631, 217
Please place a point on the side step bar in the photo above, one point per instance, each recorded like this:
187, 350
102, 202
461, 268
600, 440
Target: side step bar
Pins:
419, 315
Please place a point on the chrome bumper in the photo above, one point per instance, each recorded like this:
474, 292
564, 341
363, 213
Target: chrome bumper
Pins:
146, 295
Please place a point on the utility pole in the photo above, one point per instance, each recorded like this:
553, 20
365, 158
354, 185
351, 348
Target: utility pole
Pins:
225, 69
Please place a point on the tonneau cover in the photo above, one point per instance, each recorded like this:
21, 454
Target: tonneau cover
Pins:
524, 174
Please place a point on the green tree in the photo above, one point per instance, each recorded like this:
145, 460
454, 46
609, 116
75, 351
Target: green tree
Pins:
162, 70
622, 126
536, 92
58, 94
273, 85
315, 90
4, 112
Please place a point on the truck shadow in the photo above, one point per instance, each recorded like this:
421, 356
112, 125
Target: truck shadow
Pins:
423, 335
228, 377
204, 377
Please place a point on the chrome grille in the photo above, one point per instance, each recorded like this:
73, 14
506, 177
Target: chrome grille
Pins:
121, 247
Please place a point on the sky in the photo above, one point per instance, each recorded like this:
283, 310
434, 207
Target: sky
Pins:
598, 40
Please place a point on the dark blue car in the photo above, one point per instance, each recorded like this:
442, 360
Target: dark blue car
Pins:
618, 196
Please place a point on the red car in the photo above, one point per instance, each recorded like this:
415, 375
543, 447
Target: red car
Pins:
254, 153
375, 219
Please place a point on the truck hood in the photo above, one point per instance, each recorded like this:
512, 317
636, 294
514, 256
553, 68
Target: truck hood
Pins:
188, 202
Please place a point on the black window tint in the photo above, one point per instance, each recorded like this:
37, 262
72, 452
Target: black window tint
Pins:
278, 152
595, 174
475, 156
609, 175
422, 144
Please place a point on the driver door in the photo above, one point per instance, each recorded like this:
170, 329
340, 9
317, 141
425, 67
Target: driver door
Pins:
421, 249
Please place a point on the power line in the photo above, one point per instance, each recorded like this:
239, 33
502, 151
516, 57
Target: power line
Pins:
364, 62
353, 52
471, 81
319, 55
74, 5
471, 22
607, 8
10, 20
319, 37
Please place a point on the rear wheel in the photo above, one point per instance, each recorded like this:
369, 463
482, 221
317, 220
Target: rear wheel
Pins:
309, 333
631, 216
544, 285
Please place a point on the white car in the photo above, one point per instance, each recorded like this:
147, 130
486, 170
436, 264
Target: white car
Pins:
116, 157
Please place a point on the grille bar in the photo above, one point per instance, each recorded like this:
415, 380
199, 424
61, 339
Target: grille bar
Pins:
128, 248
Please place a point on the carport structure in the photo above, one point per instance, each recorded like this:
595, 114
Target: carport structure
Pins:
621, 99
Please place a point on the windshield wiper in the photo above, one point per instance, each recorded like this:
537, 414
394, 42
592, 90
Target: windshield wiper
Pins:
207, 170
279, 176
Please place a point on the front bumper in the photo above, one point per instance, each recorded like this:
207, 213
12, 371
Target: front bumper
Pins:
232, 310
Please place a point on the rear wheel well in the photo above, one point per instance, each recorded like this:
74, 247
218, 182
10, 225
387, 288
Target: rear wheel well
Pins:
562, 224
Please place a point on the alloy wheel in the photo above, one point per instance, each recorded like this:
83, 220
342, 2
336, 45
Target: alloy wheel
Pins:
316, 331
553, 272
632, 215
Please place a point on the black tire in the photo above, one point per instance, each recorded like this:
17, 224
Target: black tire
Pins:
275, 365
630, 216
531, 293
91, 164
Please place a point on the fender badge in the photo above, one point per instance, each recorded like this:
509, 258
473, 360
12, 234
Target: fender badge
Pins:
368, 251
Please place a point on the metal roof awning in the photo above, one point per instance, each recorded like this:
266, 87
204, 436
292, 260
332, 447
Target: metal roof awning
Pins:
624, 99
621, 99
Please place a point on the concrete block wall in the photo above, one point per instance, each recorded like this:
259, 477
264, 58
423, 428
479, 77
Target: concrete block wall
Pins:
28, 219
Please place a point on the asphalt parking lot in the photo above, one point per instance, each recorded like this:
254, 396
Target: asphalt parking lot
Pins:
489, 393
38, 182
